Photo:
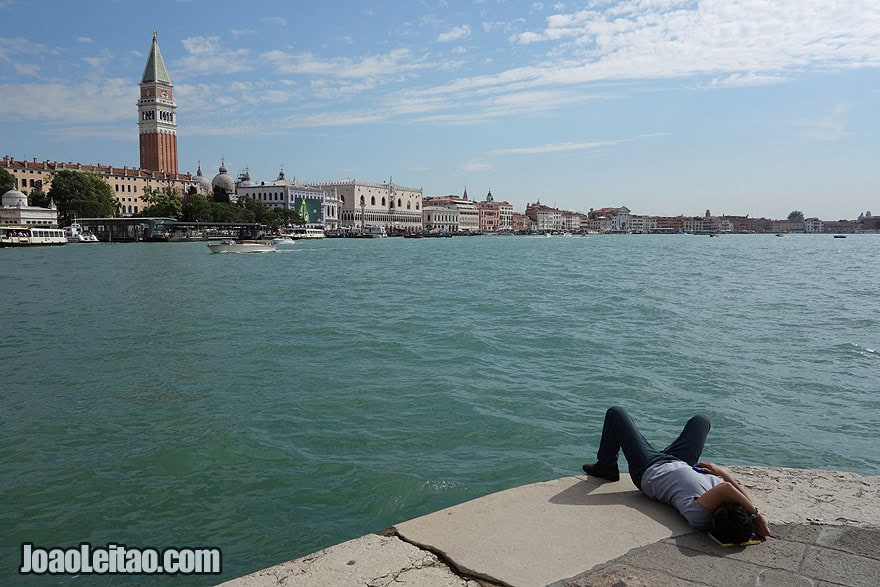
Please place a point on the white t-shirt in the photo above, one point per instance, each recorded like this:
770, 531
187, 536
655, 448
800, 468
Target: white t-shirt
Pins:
676, 483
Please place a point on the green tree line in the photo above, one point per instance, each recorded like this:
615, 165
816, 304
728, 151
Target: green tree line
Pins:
196, 207
87, 195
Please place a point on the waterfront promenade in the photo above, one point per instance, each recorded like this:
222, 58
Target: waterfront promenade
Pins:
578, 531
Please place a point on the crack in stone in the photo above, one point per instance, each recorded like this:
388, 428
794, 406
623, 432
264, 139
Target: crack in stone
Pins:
441, 557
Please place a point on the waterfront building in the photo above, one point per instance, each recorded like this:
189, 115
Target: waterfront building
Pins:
544, 218
359, 203
573, 221
813, 225
788, 226
468, 214
157, 121
308, 202
14, 209
495, 216
440, 218
697, 225
519, 222
610, 219
128, 183
838, 226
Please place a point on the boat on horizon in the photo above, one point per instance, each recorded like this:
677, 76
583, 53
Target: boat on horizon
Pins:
242, 246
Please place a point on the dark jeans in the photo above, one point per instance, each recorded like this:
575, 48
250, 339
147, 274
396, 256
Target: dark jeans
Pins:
619, 432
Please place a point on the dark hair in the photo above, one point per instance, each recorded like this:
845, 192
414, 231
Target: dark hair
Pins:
731, 523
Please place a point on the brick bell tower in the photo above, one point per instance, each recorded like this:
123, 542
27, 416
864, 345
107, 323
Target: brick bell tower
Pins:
157, 121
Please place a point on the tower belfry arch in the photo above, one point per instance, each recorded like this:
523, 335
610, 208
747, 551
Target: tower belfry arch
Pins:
157, 116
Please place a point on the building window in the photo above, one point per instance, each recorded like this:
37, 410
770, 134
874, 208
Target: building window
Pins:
372, 200
383, 200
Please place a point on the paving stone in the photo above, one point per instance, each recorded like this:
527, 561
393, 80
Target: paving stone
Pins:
841, 568
623, 576
861, 541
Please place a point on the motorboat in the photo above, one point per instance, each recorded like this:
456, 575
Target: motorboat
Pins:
283, 239
242, 246
75, 234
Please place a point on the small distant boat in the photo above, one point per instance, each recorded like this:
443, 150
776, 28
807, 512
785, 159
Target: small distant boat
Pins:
371, 231
307, 233
242, 246
75, 234
839, 236
283, 239
778, 234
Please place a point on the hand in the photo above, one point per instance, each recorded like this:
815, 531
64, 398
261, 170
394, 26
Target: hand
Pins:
713, 469
762, 529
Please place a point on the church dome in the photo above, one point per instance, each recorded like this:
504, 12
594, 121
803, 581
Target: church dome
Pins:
202, 182
223, 180
244, 180
14, 199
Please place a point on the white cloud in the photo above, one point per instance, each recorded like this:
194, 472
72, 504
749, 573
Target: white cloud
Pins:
106, 100
477, 165
392, 63
275, 20
830, 127
647, 39
334, 119
455, 34
207, 56
554, 148
86, 40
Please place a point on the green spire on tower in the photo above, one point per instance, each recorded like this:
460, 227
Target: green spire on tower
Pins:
155, 70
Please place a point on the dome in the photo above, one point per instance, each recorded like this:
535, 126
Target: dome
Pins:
223, 180
244, 180
14, 199
202, 183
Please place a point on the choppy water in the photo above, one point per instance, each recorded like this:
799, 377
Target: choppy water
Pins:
271, 405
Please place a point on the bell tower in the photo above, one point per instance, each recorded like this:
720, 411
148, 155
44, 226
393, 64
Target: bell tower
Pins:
157, 120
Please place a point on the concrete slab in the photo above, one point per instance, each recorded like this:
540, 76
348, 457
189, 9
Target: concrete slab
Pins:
541, 533
372, 560
577, 531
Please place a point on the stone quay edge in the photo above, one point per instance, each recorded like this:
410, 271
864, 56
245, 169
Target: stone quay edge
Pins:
578, 532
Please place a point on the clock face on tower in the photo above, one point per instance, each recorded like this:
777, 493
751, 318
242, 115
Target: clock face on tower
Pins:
164, 94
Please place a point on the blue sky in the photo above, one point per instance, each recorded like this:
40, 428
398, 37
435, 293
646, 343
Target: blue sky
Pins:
666, 106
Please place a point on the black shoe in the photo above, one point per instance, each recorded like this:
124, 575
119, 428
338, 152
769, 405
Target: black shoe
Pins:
603, 471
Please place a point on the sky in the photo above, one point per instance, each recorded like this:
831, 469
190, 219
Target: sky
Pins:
665, 106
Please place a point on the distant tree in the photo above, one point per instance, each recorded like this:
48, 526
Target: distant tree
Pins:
163, 202
7, 182
226, 212
221, 195
78, 194
196, 207
796, 216
287, 217
38, 198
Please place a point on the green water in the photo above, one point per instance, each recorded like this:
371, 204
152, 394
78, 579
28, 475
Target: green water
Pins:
272, 405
